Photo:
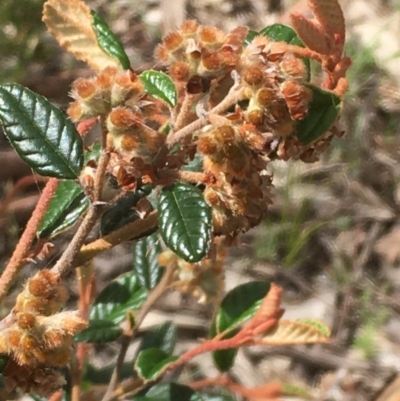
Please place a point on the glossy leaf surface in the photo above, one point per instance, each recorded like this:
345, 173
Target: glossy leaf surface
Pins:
185, 221
152, 363
41, 134
119, 297
322, 113
67, 205
159, 85
99, 331
163, 337
145, 261
108, 41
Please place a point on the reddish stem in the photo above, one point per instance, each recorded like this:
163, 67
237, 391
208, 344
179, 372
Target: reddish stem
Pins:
21, 252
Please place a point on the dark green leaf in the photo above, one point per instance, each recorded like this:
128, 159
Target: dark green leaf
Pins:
168, 392
163, 337
119, 297
99, 331
322, 112
121, 214
185, 221
108, 41
152, 362
67, 205
145, 261
283, 33
40, 133
223, 359
93, 375
240, 304
159, 85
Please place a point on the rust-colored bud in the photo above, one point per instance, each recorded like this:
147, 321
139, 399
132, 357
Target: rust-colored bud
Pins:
161, 53
106, 78
128, 142
253, 75
173, 41
26, 320
294, 68
14, 337
189, 27
265, 96
41, 284
84, 88
210, 36
122, 119
255, 116
210, 63
179, 71
126, 84
75, 111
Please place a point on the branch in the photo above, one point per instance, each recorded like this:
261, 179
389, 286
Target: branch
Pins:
18, 259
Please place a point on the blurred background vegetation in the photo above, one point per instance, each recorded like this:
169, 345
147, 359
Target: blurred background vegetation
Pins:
332, 237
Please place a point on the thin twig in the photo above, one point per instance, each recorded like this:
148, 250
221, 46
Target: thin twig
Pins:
234, 96
130, 232
17, 260
154, 295
184, 112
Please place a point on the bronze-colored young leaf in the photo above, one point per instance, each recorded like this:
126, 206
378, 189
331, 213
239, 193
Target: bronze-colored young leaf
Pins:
71, 23
288, 332
330, 16
312, 34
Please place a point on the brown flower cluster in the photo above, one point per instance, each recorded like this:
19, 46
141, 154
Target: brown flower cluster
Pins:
196, 54
37, 336
204, 280
119, 97
268, 84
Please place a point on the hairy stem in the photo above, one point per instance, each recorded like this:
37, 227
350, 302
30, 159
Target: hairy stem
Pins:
18, 259
132, 231
234, 96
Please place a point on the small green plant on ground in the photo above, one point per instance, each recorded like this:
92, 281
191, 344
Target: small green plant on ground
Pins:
182, 156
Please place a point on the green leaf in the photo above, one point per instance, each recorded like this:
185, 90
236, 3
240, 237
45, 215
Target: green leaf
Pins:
93, 375
185, 221
159, 85
240, 304
99, 331
121, 214
40, 133
283, 33
119, 297
108, 41
168, 392
152, 362
322, 112
223, 359
163, 337
145, 261
67, 205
